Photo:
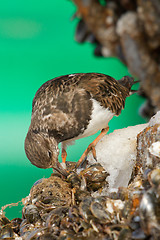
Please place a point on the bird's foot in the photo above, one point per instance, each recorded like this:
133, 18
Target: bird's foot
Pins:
91, 147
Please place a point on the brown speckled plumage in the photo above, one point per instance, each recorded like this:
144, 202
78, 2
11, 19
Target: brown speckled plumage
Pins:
62, 107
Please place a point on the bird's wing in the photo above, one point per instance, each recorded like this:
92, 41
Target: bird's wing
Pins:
61, 109
108, 91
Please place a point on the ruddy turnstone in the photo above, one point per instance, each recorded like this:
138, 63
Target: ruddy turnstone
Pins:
70, 107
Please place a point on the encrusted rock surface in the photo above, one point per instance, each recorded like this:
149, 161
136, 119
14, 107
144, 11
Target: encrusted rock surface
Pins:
81, 207
129, 30
147, 157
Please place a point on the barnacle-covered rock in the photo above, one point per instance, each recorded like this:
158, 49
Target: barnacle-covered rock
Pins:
100, 22
73, 208
129, 30
147, 156
149, 11
150, 206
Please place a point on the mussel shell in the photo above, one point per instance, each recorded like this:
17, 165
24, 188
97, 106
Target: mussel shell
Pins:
84, 208
149, 211
81, 31
55, 216
31, 213
7, 232
94, 173
125, 234
74, 179
154, 178
100, 213
16, 222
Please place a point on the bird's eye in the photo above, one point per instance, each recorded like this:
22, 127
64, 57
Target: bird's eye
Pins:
49, 154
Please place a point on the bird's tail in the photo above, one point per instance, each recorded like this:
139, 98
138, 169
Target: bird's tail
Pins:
128, 82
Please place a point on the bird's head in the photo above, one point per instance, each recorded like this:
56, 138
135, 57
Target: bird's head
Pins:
42, 151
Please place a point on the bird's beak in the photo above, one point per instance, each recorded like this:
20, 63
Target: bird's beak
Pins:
58, 167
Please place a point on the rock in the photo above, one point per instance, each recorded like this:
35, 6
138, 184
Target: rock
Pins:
148, 144
116, 152
148, 155
127, 150
155, 149
155, 119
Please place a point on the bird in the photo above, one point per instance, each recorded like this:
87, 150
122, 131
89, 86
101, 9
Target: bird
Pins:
71, 107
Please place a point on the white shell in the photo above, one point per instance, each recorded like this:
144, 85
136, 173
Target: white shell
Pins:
154, 149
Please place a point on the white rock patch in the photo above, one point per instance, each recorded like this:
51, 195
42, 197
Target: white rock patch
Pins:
116, 152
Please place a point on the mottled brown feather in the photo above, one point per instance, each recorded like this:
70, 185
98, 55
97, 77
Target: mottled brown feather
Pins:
62, 106
108, 91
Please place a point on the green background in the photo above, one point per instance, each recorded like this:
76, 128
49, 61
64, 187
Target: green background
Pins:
37, 44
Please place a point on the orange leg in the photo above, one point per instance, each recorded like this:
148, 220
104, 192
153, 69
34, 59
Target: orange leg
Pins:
64, 155
91, 147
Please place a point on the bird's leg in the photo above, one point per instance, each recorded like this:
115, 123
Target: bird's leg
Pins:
91, 147
64, 155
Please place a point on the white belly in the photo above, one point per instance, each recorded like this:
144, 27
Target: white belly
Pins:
99, 120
